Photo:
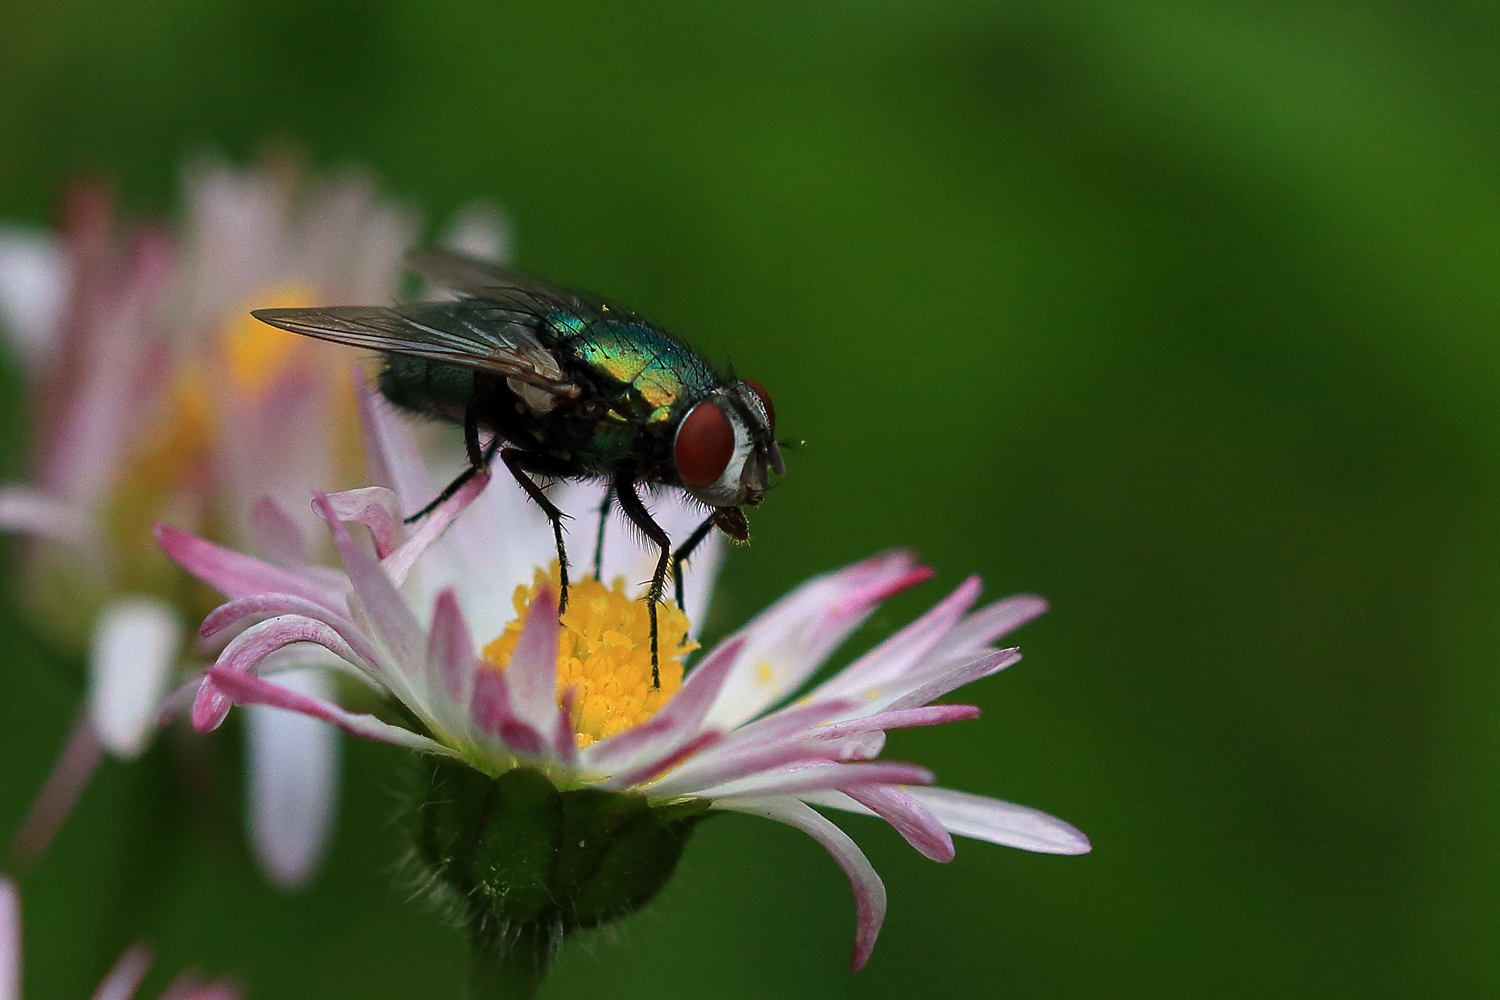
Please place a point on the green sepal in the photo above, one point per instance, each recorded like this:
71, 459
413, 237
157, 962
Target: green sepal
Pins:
524, 864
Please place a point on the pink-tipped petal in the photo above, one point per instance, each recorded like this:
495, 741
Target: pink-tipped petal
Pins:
247, 689
929, 715
796, 722
564, 742
252, 646
786, 643
276, 533
922, 689
532, 673
869, 891
983, 818
187, 986
194, 989
385, 612
234, 612
70, 775
679, 719
819, 776
721, 764
125, 978
450, 650
377, 509
994, 622
132, 653
235, 574
400, 562
10, 940
909, 818
190, 986
491, 711
902, 651
653, 768
292, 769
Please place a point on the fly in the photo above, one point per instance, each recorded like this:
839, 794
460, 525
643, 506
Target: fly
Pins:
569, 387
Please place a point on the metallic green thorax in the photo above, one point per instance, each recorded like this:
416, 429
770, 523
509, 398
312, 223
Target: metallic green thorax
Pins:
654, 371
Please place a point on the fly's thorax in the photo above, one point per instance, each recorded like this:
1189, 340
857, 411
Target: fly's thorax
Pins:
645, 373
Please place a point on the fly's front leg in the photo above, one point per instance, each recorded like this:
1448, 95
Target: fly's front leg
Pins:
686, 549
517, 462
479, 461
631, 504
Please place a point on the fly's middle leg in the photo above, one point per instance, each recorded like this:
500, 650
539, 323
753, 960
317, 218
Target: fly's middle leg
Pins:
630, 503
604, 508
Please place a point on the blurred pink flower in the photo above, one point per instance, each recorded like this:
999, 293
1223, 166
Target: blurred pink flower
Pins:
122, 981
574, 701
156, 397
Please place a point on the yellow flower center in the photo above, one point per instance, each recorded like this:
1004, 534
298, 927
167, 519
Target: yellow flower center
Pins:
604, 653
170, 460
255, 352
170, 449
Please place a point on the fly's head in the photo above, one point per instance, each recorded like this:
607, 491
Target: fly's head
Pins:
725, 448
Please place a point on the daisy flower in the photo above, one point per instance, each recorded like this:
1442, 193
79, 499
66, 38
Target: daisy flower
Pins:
157, 397
123, 980
499, 692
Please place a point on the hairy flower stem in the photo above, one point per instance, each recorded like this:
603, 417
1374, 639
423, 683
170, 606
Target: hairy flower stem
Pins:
509, 969
524, 865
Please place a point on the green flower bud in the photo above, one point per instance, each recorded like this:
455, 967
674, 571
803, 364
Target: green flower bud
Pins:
523, 865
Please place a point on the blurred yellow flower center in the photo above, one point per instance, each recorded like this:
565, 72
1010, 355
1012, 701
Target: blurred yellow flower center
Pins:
169, 464
604, 653
255, 352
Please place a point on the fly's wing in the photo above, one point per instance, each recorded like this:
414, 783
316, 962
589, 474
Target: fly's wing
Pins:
472, 333
483, 279
479, 279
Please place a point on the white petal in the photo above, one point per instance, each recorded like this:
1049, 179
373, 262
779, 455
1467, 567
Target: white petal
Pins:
293, 764
125, 978
903, 651
34, 285
135, 646
789, 640
29, 511
984, 818
276, 533
481, 230
627, 553
10, 941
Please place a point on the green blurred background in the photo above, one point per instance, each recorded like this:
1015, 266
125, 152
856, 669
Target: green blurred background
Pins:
1182, 315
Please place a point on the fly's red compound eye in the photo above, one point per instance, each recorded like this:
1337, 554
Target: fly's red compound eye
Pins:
765, 400
705, 443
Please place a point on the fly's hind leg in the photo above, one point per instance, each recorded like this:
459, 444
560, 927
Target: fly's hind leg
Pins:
604, 507
631, 504
519, 462
479, 461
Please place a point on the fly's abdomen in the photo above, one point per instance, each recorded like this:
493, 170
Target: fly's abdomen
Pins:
427, 387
